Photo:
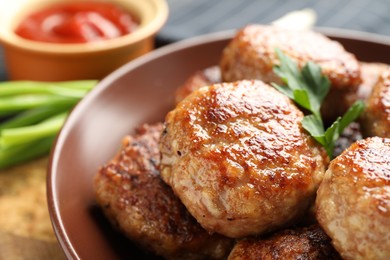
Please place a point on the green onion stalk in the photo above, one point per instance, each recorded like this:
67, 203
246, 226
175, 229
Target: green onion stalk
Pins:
31, 115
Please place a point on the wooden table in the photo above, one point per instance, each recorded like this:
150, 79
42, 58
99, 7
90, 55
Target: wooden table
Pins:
25, 228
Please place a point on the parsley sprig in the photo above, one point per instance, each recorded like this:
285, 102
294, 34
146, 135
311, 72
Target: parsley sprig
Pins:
308, 88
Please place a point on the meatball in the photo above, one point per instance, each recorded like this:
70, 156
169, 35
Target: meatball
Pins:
251, 55
375, 120
199, 79
238, 158
135, 199
300, 243
353, 201
370, 73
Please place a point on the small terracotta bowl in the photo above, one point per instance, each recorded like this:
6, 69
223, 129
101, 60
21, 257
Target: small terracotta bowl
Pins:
33, 60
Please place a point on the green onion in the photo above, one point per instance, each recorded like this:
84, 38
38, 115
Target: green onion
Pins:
26, 134
17, 103
54, 90
31, 115
78, 84
21, 153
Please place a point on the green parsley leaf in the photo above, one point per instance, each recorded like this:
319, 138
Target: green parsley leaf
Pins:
351, 115
312, 76
314, 126
308, 88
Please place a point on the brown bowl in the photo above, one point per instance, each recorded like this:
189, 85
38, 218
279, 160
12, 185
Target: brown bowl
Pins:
42, 61
139, 92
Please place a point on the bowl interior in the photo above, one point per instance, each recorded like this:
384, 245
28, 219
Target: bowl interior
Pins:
139, 92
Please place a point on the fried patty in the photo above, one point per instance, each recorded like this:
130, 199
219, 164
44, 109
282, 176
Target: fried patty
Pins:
376, 117
353, 201
135, 199
300, 243
251, 55
238, 158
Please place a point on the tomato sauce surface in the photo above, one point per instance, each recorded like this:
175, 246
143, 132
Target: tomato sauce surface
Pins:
77, 22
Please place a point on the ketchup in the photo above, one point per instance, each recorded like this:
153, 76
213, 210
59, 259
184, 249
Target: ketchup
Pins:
77, 22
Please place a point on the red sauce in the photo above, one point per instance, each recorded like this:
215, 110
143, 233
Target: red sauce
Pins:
77, 22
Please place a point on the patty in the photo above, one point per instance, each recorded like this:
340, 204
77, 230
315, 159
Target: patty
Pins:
135, 199
353, 201
300, 243
251, 55
375, 119
238, 158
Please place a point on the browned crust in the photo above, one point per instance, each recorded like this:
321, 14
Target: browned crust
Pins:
353, 201
133, 196
301, 243
251, 54
237, 156
376, 117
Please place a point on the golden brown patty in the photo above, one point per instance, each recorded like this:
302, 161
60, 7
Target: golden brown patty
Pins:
353, 201
238, 158
301, 243
251, 55
370, 72
376, 117
133, 196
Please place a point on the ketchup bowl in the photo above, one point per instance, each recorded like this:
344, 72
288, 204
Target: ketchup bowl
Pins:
88, 47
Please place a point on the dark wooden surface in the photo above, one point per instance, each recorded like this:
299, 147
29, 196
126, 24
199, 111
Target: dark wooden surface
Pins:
188, 18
